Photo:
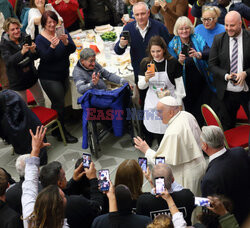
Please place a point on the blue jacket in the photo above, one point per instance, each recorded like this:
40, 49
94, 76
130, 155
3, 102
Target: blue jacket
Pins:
102, 99
139, 45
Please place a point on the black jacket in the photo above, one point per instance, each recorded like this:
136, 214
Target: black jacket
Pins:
99, 12
229, 175
19, 68
15, 122
8, 217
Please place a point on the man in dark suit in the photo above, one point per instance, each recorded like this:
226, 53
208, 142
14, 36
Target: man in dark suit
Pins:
149, 205
227, 172
229, 61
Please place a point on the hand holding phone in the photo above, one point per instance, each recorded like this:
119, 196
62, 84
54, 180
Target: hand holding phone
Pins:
151, 68
126, 36
103, 179
185, 50
159, 185
143, 163
201, 201
27, 40
86, 160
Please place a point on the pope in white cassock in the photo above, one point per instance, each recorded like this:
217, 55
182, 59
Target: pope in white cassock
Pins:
180, 145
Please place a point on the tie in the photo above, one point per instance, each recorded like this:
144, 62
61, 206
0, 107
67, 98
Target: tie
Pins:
234, 59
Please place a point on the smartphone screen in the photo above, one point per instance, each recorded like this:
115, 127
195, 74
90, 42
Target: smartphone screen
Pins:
159, 160
143, 163
159, 185
200, 201
86, 160
60, 30
185, 50
151, 67
103, 177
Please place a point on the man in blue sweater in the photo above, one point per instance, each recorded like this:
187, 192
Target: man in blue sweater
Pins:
140, 30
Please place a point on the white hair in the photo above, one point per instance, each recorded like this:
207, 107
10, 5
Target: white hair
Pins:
213, 136
20, 164
141, 3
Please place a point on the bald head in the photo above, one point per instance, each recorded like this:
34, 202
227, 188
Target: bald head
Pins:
233, 23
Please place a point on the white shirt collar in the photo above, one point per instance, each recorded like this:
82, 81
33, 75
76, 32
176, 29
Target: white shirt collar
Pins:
140, 29
238, 37
217, 154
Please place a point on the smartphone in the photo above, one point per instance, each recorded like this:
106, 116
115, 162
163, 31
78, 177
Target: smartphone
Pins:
27, 40
86, 160
143, 163
159, 185
233, 79
200, 201
185, 50
60, 30
126, 35
151, 67
103, 178
159, 160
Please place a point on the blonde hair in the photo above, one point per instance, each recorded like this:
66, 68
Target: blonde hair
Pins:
183, 21
213, 9
161, 221
11, 20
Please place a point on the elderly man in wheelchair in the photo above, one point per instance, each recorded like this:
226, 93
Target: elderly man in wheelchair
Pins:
97, 102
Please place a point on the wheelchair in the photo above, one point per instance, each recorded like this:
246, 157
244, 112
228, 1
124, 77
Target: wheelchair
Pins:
114, 107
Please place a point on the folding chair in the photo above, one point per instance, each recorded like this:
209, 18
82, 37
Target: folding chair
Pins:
234, 137
48, 117
241, 117
30, 99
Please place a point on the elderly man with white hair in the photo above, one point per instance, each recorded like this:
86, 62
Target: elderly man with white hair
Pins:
228, 171
180, 145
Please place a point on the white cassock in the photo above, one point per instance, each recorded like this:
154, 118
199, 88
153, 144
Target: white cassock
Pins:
181, 148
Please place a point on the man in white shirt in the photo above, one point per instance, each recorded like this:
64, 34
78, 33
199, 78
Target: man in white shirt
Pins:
227, 173
229, 61
180, 145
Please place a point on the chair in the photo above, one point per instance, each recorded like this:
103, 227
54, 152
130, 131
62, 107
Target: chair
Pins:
234, 137
30, 99
241, 117
48, 117
190, 16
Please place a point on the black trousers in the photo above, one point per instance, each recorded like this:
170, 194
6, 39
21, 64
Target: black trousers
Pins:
228, 107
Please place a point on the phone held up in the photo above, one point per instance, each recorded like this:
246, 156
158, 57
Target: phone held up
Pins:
159, 160
86, 160
151, 67
185, 49
143, 163
126, 36
103, 179
159, 185
27, 40
201, 201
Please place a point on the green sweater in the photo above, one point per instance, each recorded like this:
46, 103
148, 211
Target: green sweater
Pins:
228, 221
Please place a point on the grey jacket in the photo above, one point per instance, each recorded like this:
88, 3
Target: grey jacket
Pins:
83, 78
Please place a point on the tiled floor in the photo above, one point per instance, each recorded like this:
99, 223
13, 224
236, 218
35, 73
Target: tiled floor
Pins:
113, 151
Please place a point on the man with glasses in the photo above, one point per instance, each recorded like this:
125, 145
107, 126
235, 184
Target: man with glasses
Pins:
229, 61
88, 74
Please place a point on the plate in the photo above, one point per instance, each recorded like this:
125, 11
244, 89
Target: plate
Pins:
108, 29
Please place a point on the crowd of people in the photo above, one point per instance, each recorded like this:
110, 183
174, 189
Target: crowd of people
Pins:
178, 66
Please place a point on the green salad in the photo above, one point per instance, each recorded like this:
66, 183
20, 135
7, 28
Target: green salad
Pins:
109, 36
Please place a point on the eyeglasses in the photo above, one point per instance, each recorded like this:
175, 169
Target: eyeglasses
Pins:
210, 19
184, 28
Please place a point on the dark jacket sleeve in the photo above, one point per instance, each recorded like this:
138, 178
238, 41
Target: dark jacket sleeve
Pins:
242, 9
196, 10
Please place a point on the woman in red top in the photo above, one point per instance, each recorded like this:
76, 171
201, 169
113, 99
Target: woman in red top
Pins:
68, 11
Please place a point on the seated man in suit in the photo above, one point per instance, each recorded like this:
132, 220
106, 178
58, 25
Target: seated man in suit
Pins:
227, 173
148, 204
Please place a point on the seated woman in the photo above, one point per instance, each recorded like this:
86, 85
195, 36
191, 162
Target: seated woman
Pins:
18, 54
53, 69
88, 74
68, 10
159, 83
192, 52
210, 26
38, 7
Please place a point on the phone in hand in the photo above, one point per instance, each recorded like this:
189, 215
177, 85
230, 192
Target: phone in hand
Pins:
159, 160
143, 163
185, 50
151, 67
103, 179
159, 185
60, 30
126, 35
27, 40
86, 160
201, 201
233, 79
